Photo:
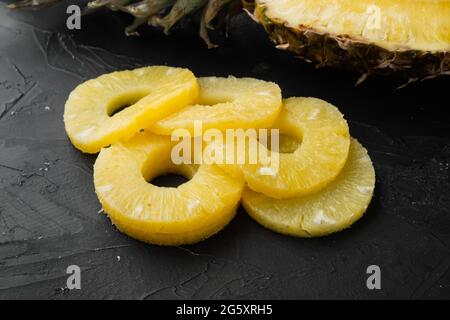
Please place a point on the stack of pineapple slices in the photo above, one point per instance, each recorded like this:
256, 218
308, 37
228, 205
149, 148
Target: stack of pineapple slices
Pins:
324, 182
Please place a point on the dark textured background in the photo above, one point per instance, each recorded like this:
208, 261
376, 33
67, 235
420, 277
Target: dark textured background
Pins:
49, 213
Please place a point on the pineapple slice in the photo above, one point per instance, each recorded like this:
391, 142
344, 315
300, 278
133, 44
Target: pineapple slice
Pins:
321, 155
332, 209
152, 93
186, 214
227, 103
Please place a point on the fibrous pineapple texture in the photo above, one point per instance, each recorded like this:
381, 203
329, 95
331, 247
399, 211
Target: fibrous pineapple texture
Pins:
185, 214
91, 114
324, 139
329, 210
227, 103
409, 37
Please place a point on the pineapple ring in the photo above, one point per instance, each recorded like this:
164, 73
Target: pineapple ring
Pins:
332, 209
227, 103
186, 214
325, 141
152, 92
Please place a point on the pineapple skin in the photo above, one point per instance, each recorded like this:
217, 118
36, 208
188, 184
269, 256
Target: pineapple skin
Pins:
344, 52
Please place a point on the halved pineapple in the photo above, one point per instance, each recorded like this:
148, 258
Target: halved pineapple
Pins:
186, 214
152, 93
400, 24
321, 155
408, 37
227, 103
332, 209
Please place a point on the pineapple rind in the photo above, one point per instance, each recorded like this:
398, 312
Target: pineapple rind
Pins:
332, 209
189, 213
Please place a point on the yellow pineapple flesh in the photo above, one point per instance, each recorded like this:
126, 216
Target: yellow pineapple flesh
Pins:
191, 212
331, 209
152, 93
227, 103
320, 156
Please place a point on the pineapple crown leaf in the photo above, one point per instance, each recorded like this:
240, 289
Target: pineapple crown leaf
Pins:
160, 13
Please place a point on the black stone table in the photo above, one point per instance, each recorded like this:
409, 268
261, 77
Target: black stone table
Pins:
49, 214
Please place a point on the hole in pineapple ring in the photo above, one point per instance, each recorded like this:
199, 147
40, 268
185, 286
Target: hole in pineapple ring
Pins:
123, 101
167, 174
289, 140
169, 180
213, 102
287, 143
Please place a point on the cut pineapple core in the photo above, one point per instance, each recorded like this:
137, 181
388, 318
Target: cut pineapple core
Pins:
227, 103
151, 93
186, 214
332, 209
321, 155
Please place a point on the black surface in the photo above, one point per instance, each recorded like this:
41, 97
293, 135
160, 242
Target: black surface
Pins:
49, 212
